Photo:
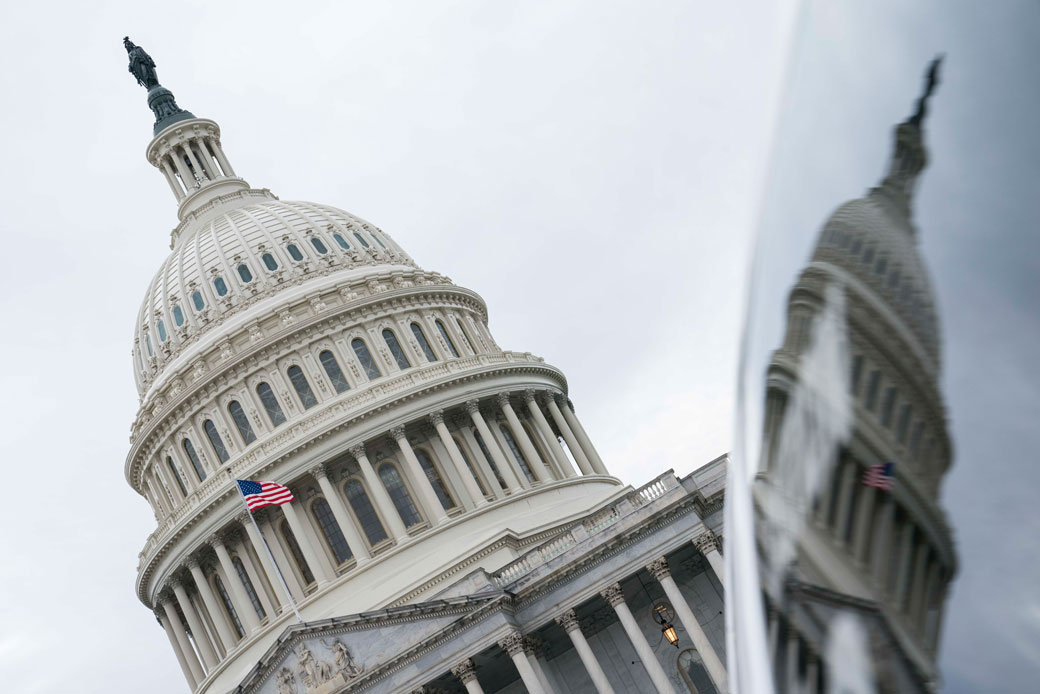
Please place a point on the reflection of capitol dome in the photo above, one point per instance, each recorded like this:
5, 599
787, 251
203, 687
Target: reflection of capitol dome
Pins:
450, 512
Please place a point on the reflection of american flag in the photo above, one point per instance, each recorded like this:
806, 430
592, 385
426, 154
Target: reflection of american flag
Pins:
880, 476
260, 494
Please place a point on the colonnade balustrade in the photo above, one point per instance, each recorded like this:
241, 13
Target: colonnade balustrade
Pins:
192, 163
390, 489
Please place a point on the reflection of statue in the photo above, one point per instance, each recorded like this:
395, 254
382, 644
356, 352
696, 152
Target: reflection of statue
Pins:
286, 681
311, 670
344, 661
141, 65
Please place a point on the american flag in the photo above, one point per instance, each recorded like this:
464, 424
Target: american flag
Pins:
260, 494
880, 476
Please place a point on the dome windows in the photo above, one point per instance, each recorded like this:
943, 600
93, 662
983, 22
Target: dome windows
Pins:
318, 245
341, 241
241, 422
365, 357
269, 261
148, 343
331, 531
178, 315
399, 495
177, 476
197, 300
270, 403
395, 349
447, 339
365, 512
424, 345
376, 237
161, 328
215, 441
189, 450
244, 273
220, 286
303, 388
434, 476
335, 374
361, 240
294, 252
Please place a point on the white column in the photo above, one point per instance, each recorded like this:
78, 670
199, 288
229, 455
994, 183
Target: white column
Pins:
254, 578
194, 162
569, 621
270, 571
583, 439
812, 677
881, 549
716, 670
388, 512
530, 651
218, 152
569, 437
513, 644
178, 650
207, 161
216, 613
708, 545
479, 460
434, 511
547, 433
534, 461
303, 540
171, 178
271, 540
466, 672
239, 597
473, 408
455, 479
616, 598
209, 656
496, 427
189, 181
791, 664
358, 546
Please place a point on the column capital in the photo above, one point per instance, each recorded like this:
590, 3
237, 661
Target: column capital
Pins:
512, 643
320, 471
532, 645
465, 671
569, 621
560, 399
658, 568
243, 518
193, 562
358, 451
502, 399
215, 540
397, 433
529, 395
436, 417
472, 407
613, 594
707, 541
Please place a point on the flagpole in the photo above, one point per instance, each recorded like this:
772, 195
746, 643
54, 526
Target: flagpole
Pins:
278, 570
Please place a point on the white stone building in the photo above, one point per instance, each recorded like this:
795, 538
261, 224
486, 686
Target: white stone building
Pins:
453, 528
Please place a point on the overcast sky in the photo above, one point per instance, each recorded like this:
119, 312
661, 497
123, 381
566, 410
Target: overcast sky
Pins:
595, 173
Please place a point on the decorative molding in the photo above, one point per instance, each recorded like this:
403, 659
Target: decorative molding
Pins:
512, 643
569, 621
613, 594
465, 671
658, 568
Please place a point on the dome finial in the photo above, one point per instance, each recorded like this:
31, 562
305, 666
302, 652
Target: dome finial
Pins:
160, 99
931, 81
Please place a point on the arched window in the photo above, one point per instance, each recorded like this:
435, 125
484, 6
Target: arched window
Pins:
361, 239
365, 512
335, 374
472, 470
395, 349
465, 337
196, 298
220, 285
694, 674
215, 440
241, 421
516, 453
399, 495
189, 448
178, 315
303, 388
341, 241
148, 343
228, 606
376, 237
297, 553
365, 357
432, 474
294, 252
162, 331
270, 403
243, 576
244, 273
269, 261
318, 245
444, 334
488, 457
420, 337
331, 531
177, 476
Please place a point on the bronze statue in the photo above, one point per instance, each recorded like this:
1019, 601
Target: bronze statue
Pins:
141, 66
931, 80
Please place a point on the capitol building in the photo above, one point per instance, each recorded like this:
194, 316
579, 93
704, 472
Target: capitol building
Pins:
453, 527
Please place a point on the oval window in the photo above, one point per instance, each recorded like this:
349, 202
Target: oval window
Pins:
269, 261
341, 241
319, 246
220, 286
178, 315
148, 343
162, 331
244, 273
294, 252
360, 239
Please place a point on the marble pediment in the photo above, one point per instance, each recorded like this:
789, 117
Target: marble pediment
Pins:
339, 654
